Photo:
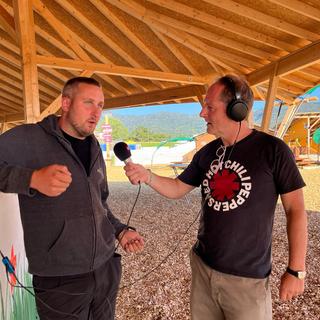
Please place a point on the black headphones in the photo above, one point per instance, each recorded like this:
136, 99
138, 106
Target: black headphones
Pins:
237, 109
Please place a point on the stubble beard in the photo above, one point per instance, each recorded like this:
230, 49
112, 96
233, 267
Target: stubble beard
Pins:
80, 129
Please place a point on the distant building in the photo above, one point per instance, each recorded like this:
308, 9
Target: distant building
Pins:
201, 140
299, 134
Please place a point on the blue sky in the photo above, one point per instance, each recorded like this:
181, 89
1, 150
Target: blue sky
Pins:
187, 108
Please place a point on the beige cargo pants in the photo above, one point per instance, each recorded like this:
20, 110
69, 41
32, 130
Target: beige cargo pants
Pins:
219, 296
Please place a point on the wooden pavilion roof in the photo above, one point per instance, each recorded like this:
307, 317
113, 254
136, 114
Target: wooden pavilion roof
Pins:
154, 51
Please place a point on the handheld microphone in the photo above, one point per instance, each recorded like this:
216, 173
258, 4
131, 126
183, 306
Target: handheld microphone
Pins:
122, 152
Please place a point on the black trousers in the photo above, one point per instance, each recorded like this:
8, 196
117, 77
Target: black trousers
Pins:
90, 296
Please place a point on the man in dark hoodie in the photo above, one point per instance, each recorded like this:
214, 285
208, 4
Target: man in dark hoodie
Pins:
57, 169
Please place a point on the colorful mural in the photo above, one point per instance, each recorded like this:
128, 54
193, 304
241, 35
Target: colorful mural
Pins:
15, 303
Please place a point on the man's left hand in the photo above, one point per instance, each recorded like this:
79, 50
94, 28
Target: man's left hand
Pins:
290, 287
131, 241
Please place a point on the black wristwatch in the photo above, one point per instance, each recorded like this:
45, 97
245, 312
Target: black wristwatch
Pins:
299, 274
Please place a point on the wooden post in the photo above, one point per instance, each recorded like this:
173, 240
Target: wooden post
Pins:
23, 15
272, 90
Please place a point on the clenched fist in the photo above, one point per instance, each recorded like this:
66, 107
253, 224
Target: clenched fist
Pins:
51, 180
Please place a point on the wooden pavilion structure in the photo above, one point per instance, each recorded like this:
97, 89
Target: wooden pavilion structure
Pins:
148, 52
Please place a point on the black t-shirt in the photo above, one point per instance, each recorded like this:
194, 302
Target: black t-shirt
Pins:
241, 191
81, 147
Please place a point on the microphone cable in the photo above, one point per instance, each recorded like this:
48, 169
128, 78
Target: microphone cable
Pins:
172, 251
186, 231
130, 216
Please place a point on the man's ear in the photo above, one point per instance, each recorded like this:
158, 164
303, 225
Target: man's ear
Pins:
65, 103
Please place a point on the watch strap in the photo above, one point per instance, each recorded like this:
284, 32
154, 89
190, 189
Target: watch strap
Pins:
296, 273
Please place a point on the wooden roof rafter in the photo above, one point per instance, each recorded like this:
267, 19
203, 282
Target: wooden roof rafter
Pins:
103, 36
302, 8
193, 13
268, 20
137, 48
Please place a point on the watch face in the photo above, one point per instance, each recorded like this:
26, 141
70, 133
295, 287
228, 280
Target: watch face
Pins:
301, 274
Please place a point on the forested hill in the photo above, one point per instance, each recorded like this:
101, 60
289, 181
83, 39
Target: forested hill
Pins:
173, 124
180, 124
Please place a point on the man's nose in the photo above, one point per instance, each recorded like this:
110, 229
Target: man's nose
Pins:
97, 109
203, 113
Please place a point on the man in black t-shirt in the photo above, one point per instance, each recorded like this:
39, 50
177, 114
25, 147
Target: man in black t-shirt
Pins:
241, 175
57, 169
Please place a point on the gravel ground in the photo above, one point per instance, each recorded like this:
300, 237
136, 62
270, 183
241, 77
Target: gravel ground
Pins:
163, 293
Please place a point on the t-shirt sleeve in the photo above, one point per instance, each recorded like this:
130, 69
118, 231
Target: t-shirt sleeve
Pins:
192, 174
286, 174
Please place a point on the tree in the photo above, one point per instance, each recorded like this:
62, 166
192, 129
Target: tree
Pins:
119, 131
141, 134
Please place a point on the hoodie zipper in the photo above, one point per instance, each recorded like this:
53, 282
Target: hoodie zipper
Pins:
94, 236
94, 232
63, 141
93, 217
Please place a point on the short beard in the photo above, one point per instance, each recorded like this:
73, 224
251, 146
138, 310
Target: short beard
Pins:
81, 133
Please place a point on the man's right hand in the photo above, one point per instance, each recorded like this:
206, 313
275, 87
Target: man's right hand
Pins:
51, 180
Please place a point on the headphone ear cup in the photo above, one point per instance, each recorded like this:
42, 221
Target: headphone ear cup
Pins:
237, 110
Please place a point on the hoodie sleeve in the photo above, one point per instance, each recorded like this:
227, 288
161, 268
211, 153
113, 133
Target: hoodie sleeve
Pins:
14, 177
118, 226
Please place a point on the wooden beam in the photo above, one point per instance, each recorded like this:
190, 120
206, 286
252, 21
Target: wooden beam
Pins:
152, 16
155, 96
220, 23
4, 127
302, 8
10, 89
108, 40
208, 51
9, 45
257, 92
70, 52
55, 42
11, 98
176, 52
10, 105
300, 81
69, 64
287, 86
159, 63
74, 39
18, 74
15, 117
272, 90
311, 71
25, 29
100, 57
285, 96
194, 44
129, 34
286, 121
295, 61
186, 39
265, 19
7, 23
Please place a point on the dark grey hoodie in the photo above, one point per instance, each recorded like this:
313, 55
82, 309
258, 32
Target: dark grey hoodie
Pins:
70, 234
